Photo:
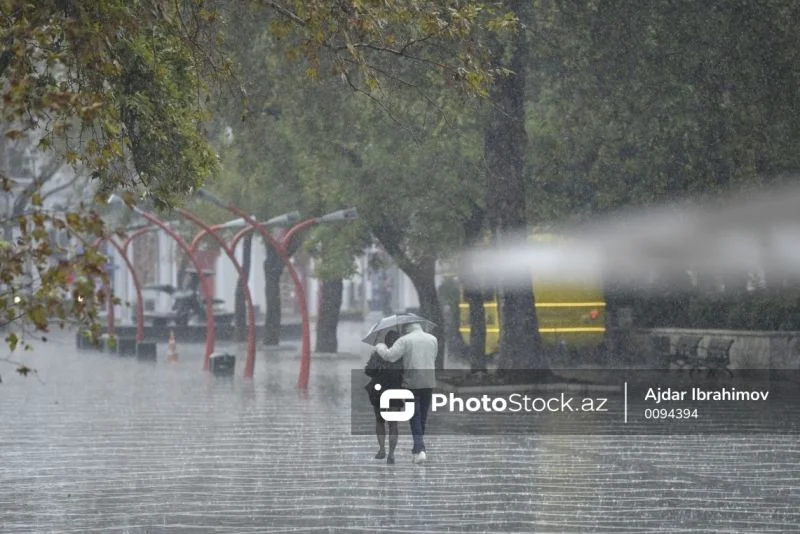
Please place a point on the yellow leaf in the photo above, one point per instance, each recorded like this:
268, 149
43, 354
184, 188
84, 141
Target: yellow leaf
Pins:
12, 341
36, 199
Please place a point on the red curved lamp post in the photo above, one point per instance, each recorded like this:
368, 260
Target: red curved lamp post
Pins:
250, 361
204, 283
280, 248
136, 285
135, 234
140, 304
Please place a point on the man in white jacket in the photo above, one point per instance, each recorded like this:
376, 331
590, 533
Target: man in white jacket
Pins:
418, 350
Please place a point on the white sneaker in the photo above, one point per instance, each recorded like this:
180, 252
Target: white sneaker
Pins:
420, 458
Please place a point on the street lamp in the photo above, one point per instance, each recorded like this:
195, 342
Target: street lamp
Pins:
250, 360
280, 248
136, 286
230, 251
286, 219
204, 283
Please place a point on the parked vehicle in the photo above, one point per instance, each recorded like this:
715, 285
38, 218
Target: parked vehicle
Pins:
188, 304
570, 315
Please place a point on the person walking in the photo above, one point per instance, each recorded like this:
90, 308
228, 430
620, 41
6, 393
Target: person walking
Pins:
387, 375
418, 351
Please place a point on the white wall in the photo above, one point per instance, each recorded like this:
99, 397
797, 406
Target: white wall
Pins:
166, 273
355, 295
227, 278
357, 292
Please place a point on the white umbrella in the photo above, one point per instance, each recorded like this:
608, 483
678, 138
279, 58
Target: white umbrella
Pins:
394, 322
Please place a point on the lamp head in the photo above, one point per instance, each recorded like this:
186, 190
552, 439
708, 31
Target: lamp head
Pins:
209, 197
235, 223
287, 219
115, 201
348, 214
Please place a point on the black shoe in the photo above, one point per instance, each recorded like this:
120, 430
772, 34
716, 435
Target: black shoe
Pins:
390, 460
381, 455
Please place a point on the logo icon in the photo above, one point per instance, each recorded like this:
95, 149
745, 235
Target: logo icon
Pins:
396, 394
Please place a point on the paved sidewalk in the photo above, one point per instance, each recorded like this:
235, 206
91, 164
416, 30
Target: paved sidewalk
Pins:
110, 444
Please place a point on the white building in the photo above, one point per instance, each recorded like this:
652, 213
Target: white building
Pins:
360, 293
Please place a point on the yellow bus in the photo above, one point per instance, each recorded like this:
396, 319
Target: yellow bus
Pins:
569, 315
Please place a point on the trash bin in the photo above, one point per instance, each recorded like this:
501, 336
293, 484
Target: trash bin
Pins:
222, 363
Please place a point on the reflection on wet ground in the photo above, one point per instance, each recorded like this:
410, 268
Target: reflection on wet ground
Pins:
114, 444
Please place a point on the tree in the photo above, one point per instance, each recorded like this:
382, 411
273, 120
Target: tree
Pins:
644, 102
505, 142
392, 85
473, 226
35, 288
121, 97
334, 248
114, 88
367, 43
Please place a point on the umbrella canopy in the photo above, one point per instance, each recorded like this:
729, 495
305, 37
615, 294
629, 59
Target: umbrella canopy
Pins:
394, 322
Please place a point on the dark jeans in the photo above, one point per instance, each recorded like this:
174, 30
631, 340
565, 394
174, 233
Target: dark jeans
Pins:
422, 403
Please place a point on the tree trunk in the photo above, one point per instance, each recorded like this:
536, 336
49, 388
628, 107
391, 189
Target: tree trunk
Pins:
183, 264
449, 295
273, 269
328, 317
423, 276
474, 297
477, 331
422, 273
505, 141
240, 305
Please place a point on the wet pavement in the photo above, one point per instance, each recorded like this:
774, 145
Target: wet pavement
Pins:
111, 444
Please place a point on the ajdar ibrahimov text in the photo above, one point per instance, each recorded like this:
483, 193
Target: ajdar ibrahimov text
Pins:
698, 394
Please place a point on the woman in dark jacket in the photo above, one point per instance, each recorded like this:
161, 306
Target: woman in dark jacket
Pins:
390, 376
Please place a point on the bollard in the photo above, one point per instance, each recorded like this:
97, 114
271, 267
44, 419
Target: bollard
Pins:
126, 346
222, 364
146, 350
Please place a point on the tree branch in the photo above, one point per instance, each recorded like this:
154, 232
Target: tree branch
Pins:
21, 202
383, 107
401, 53
59, 188
286, 13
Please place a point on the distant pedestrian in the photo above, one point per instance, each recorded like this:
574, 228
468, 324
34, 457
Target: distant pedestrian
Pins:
418, 351
388, 375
